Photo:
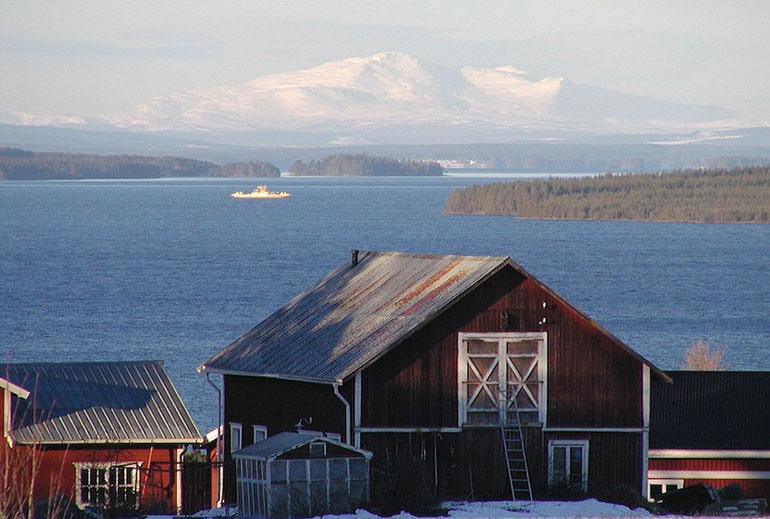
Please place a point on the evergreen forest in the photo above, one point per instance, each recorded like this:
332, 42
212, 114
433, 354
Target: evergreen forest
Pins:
740, 195
364, 165
18, 164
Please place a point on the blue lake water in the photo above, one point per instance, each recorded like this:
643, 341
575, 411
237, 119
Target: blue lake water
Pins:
176, 269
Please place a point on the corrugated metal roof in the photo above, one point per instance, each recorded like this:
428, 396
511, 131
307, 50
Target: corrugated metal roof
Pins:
286, 441
353, 315
711, 410
95, 402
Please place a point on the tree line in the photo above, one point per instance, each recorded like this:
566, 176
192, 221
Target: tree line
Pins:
18, 164
717, 196
364, 165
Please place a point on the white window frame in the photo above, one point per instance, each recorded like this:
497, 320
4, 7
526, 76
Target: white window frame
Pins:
316, 446
106, 466
462, 370
664, 482
258, 430
236, 431
583, 444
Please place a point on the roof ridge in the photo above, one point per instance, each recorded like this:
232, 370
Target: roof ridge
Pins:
83, 363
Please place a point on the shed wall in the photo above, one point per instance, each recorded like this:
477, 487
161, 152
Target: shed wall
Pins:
57, 473
755, 485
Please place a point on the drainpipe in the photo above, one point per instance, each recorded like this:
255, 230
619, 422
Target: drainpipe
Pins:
220, 429
336, 386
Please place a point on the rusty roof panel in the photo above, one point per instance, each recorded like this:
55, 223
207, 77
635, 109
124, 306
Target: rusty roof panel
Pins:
353, 315
93, 402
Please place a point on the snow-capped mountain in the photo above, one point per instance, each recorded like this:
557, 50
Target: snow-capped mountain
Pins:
357, 96
395, 98
39, 118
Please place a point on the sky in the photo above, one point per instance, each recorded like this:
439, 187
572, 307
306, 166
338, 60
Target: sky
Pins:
89, 57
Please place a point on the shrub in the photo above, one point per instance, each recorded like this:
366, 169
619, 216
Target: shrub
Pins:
701, 357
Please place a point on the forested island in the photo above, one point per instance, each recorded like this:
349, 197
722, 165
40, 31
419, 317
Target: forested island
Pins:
18, 164
740, 195
365, 166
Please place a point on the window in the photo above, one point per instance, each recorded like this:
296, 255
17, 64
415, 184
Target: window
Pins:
260, 433
236, 437
501, 376
317, 449
114, 485
568, 463
658, 487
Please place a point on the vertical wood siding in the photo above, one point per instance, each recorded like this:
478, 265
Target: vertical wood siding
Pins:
751, 488
591, 381
277, 404
57, 473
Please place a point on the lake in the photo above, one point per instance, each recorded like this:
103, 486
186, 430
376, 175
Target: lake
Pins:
176, 269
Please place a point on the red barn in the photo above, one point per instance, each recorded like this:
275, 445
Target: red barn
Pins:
711, 428
447, 367
108, 434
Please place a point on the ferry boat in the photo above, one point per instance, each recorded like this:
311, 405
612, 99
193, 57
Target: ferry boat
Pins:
261, 192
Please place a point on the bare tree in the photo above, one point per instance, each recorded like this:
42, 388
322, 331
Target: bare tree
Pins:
701, 356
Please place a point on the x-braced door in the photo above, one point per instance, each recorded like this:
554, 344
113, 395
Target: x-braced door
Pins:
500, 374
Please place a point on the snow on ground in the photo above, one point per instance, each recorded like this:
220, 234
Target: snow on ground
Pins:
588, 509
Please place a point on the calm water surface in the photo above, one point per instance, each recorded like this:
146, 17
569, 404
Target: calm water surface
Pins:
176, 269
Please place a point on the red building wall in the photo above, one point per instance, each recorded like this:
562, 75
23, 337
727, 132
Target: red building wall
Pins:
57, 472
753, 486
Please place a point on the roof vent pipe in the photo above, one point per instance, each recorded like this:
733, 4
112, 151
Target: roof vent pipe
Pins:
353, 258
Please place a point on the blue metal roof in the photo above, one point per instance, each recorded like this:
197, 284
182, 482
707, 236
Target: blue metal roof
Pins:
99, 402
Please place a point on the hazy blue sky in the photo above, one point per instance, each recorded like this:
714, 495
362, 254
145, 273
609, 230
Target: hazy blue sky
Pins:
89, 56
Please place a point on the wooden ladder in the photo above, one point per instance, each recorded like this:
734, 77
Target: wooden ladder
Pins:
515, 455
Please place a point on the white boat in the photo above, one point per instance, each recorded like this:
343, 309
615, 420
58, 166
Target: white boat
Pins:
261, 192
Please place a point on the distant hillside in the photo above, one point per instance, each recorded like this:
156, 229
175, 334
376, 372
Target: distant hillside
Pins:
721, 195
17, 164
365, 166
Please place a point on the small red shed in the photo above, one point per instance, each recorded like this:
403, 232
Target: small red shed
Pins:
108, 434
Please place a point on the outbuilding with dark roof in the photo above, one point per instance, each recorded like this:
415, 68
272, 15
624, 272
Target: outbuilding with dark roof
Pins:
711, 428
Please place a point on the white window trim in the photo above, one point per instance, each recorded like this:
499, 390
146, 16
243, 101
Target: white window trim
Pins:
317, 444
584, 444
709, 474
136, 465
235, 427
462, 369
664, 482
258, 429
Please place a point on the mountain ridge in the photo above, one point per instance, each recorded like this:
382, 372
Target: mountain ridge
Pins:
393, 97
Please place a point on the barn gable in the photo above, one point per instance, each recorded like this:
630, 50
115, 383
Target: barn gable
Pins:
360, 311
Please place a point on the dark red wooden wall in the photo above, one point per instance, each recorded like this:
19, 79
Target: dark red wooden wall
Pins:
592, 382
752, 488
